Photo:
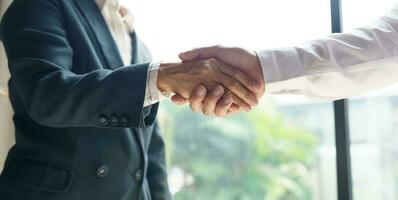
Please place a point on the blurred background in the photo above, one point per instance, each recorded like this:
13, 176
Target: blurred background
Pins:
285, 148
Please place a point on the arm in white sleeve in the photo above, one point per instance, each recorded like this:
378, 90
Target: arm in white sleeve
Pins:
338, 66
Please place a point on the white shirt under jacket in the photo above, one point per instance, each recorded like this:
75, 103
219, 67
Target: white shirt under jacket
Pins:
120, 24
338, 66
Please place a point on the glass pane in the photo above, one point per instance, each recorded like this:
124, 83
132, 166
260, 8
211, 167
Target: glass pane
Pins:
372, 121
284, 149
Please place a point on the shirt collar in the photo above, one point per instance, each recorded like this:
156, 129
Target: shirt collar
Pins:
108, 3
128, 18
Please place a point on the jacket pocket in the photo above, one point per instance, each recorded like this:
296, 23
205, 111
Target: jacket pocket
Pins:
40, 175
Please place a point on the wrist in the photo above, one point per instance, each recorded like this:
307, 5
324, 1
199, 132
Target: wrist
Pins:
259, 68
165, 77
260, 71
162, 81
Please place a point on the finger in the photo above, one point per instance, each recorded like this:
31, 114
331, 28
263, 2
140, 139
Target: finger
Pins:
245, 80
239, 103
200, 53
230, 112
234, 107
178, 99
224, 104
212, 99
235, 87
197, 98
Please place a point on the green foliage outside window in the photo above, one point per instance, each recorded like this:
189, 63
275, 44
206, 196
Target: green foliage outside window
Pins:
249, 156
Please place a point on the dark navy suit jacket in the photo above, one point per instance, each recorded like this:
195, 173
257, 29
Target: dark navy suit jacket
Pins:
82, 132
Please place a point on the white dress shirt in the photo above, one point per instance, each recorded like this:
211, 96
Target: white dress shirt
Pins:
7, 137
120, 24
338, 66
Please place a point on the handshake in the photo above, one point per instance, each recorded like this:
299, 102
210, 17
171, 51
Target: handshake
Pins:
214, 80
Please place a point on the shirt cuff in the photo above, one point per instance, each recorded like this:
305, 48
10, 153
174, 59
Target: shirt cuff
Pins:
152, 93
280, 64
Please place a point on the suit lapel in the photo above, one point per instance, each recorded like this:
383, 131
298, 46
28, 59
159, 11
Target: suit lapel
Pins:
140, 51
140, 55
93, 15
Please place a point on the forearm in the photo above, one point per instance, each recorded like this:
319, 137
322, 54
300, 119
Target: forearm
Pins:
338, 66
60, 98
41, 64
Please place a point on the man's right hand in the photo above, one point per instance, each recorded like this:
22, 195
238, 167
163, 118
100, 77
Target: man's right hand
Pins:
243, 60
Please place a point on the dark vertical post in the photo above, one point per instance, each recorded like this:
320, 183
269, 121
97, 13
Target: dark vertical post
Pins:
343, 156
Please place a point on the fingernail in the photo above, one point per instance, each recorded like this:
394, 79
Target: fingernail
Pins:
254, 101
247, 108
218, 91
235, 109
258, 87
201, 91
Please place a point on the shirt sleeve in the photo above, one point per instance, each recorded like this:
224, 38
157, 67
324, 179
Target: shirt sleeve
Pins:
338, 66
152, 93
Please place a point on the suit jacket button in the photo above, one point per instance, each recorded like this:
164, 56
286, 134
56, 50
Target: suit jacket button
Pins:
123, 122
138, 175
102, 171
103, 120
114, 121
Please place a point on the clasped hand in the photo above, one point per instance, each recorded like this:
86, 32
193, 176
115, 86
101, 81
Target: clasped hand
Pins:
215, 80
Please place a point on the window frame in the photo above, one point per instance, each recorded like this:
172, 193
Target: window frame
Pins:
341, 120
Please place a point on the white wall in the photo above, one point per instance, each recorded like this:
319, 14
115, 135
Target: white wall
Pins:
6, 124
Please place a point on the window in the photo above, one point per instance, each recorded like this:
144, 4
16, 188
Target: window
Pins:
282, 150
373, 121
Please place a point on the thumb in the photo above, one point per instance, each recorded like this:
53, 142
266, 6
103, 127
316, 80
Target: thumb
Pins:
190, 55
202, 53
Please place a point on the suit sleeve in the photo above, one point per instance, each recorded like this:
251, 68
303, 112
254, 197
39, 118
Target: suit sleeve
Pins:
338, 66
157, 171
40, 61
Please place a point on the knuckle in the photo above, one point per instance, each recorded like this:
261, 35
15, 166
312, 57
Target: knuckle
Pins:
213, 62
205, 65
204, 62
